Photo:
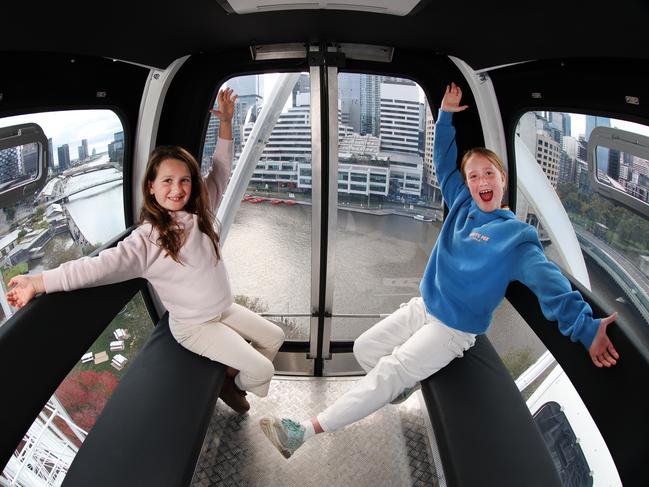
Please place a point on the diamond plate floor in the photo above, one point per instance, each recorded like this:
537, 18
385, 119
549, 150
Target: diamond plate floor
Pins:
389, 448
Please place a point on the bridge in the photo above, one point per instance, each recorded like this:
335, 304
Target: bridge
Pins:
623, 272
113, 178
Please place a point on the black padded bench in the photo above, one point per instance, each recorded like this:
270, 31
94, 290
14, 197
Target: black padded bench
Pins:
483, 428
153, 426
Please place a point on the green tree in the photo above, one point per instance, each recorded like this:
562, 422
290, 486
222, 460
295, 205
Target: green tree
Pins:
20, 268
60, 251
292, 330
625, 230
10, 213
518, 361
255, 304
572, 202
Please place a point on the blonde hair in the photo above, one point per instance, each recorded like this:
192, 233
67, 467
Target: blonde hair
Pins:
482, 151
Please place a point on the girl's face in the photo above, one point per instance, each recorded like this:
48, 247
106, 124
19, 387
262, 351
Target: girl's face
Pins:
486, 183
172, 185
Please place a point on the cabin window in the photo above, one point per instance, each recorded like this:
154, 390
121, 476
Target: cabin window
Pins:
388, 204
614, 240
79, 209
268, 246
389, 215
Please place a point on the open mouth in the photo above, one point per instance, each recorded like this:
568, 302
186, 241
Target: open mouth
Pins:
486, 195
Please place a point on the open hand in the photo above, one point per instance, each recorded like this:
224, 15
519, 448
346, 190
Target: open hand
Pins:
23, 289
602, 352
452, 98
225, 101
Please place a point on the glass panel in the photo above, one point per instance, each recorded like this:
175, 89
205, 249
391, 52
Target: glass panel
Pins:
389, 204
614, 241
58, 224
268, 248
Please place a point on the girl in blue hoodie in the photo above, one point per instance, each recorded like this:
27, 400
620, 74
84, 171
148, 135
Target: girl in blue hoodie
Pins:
481, 249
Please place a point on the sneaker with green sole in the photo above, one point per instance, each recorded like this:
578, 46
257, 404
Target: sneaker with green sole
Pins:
285, 434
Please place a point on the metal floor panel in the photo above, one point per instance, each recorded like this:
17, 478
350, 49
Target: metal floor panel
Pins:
389, 448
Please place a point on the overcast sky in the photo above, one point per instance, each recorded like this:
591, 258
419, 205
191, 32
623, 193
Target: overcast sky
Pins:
71, 127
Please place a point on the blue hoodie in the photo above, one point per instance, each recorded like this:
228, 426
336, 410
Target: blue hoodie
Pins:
478, 254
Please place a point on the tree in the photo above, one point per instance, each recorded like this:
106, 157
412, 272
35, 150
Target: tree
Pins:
255, 304
258, 305
84, 395
10, 213
625, 230
20, 268
60, 252
38, 214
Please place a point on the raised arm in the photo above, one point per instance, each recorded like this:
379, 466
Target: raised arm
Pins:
222, 157
445, 148
225, 111
452, 98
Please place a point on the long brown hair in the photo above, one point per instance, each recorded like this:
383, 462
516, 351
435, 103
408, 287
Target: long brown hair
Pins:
170, 237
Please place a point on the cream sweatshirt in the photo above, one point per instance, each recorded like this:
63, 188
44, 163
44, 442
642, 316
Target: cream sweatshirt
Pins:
194, 291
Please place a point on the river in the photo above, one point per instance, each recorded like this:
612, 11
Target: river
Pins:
379, 260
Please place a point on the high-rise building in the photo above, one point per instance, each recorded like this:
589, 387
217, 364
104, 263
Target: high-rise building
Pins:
50, 154
116, 148
370, 104
64, 157
613, 169
29, 158
567, 163
9, 164
430, 176
593, 121
582, 148
548, 156
566, 125
83, 150
302, 85
349, 93
400, 117
286, 159
249, 91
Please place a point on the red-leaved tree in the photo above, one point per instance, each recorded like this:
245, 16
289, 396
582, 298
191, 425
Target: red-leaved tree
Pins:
84, 395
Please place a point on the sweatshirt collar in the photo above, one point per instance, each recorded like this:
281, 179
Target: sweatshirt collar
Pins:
482, 217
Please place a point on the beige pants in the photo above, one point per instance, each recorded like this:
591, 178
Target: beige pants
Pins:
225, 339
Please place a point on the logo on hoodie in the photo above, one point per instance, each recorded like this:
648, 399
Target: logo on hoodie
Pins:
478, 237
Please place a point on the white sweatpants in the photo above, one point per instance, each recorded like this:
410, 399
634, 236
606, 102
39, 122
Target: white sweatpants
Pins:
225, 339
397, 352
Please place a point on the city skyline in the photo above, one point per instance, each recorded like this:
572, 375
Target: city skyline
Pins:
71, 127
